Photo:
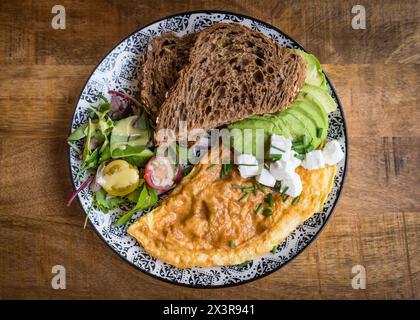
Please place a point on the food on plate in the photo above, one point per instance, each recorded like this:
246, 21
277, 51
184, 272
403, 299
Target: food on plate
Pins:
129, 139
221, 210
164, 58
307, 116
314, 74
248, 165
160, 173
332, 152
313, 160
119, 178
206, 221
114, 146
233, 73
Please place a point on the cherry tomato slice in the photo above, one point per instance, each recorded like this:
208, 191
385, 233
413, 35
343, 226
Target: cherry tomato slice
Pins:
160, 173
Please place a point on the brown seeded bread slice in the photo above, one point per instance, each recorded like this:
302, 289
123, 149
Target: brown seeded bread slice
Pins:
233, 73
165, 56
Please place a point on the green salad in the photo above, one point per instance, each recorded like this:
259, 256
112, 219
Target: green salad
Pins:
118, 155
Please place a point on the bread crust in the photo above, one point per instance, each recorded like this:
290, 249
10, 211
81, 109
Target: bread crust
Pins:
164, 58
233, 73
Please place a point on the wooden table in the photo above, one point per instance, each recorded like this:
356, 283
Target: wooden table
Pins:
377, 222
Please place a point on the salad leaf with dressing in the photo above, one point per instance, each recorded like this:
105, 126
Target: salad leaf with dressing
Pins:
114, 131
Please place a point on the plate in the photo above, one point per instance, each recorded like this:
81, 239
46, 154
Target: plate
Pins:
118, 71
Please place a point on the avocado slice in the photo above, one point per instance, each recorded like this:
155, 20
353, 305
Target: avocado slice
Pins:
281, 128
140, 159
296, 126
314, 74
306, 116
318, 114
129, 137
308, 123
303, 117
310, 112
254, 123
322, 96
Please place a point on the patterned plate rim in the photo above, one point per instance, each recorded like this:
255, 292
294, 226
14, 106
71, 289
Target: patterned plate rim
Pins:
257, 277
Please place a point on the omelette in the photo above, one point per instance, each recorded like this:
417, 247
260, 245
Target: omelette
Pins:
203, 223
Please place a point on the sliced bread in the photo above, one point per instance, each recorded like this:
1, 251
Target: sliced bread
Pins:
233, 73
165, 56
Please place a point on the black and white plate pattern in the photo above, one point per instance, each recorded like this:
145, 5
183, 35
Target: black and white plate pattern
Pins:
118, 71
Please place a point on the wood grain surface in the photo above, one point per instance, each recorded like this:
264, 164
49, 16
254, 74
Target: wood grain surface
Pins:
376, 224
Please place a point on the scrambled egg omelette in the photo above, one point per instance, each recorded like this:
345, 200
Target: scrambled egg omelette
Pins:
202, 223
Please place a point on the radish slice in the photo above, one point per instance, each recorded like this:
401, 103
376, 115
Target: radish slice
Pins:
160, 173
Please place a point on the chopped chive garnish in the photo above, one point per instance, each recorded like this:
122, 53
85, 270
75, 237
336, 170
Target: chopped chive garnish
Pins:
260, 206
245, 188
274, 157
269, 200
247, 164
260, 187
244, 264
274, 147
309, 148
299, 156
284, 190
305, 140
300, 149
267, 212
226, 169
319, 132
238, 186
211, 167
243, 197
284, 197
248, 189
295, 200
274, 250
277, 187
187, 170
297, 143
231, 244
255, 188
